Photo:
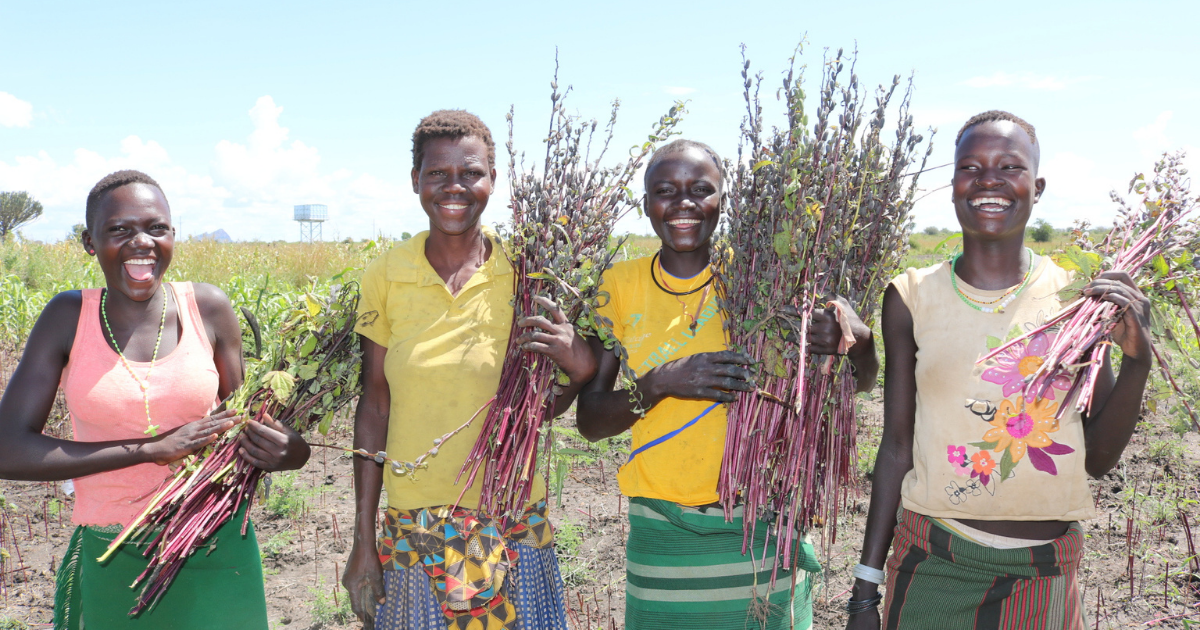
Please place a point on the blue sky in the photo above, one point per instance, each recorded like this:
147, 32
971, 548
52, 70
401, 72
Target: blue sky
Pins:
243, 109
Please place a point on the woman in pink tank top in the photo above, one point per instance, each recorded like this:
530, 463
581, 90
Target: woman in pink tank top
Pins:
143, 365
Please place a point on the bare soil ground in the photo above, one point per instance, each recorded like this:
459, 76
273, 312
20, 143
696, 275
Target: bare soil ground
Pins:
303, 525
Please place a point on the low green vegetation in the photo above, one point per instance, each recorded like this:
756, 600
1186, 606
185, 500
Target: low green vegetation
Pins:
289, 497
329, 606
575, 569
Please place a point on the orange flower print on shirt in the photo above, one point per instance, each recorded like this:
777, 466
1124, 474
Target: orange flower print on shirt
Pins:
982, 465
1019, 426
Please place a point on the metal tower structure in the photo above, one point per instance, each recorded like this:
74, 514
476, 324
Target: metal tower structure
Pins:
310, 217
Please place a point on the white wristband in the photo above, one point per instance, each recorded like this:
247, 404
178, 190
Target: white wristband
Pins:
864, 572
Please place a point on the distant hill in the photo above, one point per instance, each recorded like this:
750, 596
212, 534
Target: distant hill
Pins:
219, 236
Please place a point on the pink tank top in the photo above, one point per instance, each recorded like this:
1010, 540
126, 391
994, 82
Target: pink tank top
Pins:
106, 404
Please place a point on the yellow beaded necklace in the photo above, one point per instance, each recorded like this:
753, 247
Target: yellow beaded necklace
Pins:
151, 428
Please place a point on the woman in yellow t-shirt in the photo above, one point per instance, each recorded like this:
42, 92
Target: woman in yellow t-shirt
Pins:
438, 311
685, 566
977, 489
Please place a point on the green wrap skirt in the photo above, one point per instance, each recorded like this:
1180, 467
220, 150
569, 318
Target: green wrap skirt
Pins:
220, 585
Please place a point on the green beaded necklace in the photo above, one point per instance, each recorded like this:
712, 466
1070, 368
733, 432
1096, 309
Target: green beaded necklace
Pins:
151, 428
1004, 300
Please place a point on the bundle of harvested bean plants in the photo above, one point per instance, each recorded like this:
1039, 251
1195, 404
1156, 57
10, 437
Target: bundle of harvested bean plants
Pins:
308, 372
814, 213
559, 243
1154, 241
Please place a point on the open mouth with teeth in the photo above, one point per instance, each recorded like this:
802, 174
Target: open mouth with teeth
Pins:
683, 223
453, 207
140, 269
990, 204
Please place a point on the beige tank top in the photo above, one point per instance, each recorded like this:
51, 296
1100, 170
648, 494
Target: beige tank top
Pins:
980, 450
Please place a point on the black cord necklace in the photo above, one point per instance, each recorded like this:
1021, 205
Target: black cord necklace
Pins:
654, 262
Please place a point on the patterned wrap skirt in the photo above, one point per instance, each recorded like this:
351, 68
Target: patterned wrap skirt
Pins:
457, 569
937, 579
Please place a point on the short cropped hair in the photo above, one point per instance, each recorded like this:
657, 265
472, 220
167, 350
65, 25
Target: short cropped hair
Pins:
997, 115
679, 146
110, 182
454, 124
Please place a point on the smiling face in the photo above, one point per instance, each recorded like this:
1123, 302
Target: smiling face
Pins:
995, 182
683, 199
454, 182
132, 239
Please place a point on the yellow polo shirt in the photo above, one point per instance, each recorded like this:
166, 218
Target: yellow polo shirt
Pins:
651, 325
444, 356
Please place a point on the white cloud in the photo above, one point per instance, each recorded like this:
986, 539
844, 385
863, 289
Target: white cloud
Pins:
1027, 80
14, 112
675, 90
249, 191
63, 188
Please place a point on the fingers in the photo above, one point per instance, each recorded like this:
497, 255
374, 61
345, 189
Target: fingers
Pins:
555, 312
254, 456
539, 348
735, 384
729, 356
265, 435
1118, 276
824, 316
538, 341
1114, 291
227, 414
262, 447
216, 422
537, 321
789, 311
732, 370
717, 395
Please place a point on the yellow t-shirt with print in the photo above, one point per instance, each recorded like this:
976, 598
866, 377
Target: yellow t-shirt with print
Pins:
651, 324
444, 357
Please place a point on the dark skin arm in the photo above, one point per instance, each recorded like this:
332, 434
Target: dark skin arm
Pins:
895, 456
363, 577
716, 376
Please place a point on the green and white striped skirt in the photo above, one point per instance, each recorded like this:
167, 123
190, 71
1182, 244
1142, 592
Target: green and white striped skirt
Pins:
685, 569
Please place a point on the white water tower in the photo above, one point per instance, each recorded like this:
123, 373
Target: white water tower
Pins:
310, 217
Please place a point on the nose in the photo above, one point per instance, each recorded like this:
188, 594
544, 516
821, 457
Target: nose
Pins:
455, 185
989, 179
142, 239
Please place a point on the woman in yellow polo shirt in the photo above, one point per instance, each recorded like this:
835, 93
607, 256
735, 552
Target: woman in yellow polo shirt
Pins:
685, 567
432, 355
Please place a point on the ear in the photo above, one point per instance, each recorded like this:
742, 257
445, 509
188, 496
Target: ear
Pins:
1039, 187
493, 175
86, 238
414, 181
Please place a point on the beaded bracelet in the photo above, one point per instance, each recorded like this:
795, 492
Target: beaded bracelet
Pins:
856, 606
